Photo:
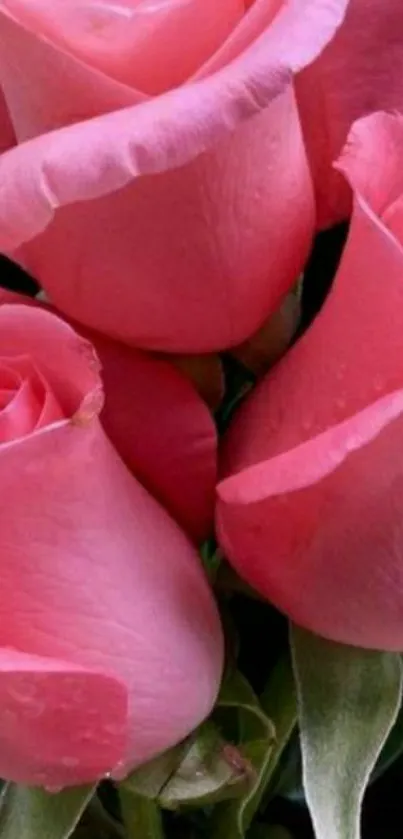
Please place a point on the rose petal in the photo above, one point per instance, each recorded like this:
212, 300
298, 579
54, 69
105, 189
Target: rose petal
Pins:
359, 72
21, 414
7, 137
97, 574
31, 404
260, 16
160, 427
163, 431
109, 582
310, 512
72, 372
186, 256
371, 160
60, 724
212, 197
148, 45
33, 71
318, 529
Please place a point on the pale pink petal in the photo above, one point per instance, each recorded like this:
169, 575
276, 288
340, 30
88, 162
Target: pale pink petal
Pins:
318, 530
159, 426
60, 724
149, 45
310, 511
99, 575
30, 404
184, 273
260, 15
371, 160
164, 252
72, 372
21, 414
33, 72
359, 72
109, 582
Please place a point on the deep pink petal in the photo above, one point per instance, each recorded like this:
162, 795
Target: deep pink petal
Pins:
174, 273
163, 431
60, 724
7, 137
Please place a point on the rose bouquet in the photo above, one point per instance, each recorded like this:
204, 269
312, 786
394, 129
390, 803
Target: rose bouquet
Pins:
201, 418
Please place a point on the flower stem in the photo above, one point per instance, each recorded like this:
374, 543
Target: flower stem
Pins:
141, 816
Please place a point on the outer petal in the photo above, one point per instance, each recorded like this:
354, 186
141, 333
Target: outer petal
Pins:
160, 427
359, 72
310, 512
163, 431
60, 723
98, 575
7, 138
183, 270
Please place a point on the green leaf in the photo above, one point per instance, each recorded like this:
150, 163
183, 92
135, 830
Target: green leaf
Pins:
231, 819
211, 558
279, 702
150, 779
348, 700
196, 773
97, 823
392, 749
142, 817
31, 813
210, 771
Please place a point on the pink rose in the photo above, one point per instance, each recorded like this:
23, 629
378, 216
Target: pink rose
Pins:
174, 209
311, 510
359, 72
160, 427
111, 646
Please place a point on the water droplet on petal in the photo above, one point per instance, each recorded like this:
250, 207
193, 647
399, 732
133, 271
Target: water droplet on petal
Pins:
70, 762
113, 729
120, 771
